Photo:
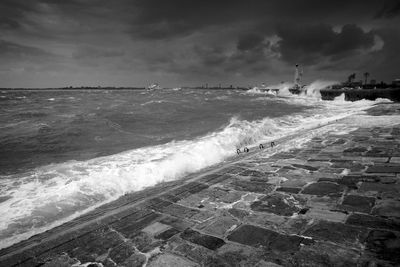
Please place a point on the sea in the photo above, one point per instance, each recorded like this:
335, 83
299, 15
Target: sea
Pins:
66, 152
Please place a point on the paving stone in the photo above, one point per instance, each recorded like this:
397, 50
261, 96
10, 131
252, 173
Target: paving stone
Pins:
134, 223
266, 220
373, 222
355, 150
188, 189
378, 187
257, 236
207, 241
305, 167
323, 189
253, 173
215, 178
177, 223
387, 208
384, 169
180, 211
252, 186
337, 232
221, 225
357, 203
155, 228
328, 215
395, 160
385, 244
322, 202
279, 204
167, 259
293, 190
167, 234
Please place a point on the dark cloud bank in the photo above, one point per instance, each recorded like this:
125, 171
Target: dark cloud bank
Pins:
177, 42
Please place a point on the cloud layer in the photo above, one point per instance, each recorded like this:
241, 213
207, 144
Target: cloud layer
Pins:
46, 43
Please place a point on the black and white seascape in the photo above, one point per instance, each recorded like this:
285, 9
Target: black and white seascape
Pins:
101, 99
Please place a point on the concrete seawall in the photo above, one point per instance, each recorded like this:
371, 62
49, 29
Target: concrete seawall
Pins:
333, 202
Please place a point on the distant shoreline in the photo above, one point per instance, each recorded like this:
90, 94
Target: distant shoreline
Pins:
118, 88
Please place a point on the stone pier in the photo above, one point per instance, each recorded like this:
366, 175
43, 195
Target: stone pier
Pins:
333, 202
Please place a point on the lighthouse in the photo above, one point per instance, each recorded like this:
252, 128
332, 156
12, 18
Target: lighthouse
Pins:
297, 77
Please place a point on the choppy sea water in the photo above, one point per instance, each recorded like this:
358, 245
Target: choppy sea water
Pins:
63, 153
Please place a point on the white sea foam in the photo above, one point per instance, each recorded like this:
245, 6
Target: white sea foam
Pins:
52, 194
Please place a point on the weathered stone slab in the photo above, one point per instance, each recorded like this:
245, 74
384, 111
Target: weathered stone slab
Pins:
385, 244
328, 215
167, 259
383, 169
132, 224
373, 222
252, 186
293, 190
388, 208
323, 189
305, 167
221, 225
337, 232
215, 178
188, 189
357, 203
177, 223
167, 234
180, 211
355, 150
256, 236
279, 204
155, 228
253, 173
379, 187
206, 241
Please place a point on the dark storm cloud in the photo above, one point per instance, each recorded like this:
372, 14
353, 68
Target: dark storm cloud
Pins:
249, 41
186, 38
391, 8
308, 44
12, 50
93, 52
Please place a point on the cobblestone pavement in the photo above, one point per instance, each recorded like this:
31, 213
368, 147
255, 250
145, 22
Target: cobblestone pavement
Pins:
333, 202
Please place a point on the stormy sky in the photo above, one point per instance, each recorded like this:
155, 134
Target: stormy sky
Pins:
56, 43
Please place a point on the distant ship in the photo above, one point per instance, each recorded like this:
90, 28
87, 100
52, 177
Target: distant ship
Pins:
154, 86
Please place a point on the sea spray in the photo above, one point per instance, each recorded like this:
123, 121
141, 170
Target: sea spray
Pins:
313, 89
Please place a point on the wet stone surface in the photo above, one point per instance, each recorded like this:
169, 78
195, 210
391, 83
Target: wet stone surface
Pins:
276, 203
324, 189
335, 201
